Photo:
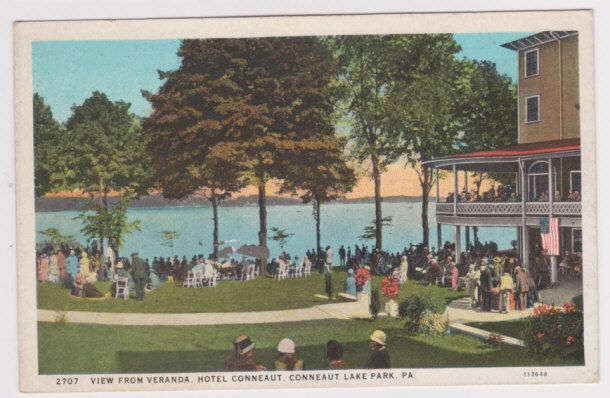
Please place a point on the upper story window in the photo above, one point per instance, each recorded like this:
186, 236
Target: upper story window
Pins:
532, 109
531, 63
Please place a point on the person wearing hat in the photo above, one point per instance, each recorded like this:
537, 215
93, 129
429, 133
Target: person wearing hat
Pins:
506, 287
472, 284
242, 359
334, 353
486, 286
72, 264
288, 360
139, 270
404, 269
350, 282
522, 287
379, 359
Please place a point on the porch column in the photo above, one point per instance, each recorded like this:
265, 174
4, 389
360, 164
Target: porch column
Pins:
458, 242
467, 229
439, 237
438, 183
551, 198
455, 190
524, 232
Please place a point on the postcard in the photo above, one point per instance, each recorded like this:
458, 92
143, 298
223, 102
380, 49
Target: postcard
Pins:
306, 201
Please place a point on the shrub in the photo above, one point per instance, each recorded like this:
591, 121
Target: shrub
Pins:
413, 307
432, 323
375, 303
556, 331
494, 339
578, 302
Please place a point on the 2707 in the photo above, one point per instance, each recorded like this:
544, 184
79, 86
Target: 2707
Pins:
66, 380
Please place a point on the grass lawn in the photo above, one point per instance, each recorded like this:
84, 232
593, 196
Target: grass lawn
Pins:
72, 348
260, 294
512, 328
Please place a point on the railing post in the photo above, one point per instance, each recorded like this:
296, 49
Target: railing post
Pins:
437, 185
524, 232
455, 188
439, 237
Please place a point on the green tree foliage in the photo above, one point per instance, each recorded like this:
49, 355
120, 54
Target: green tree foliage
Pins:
106, 156
426, 86
169, 237
320, 176
107, 221
370, 231
51, 169
261, 101
364, 65
56, 237
280, 236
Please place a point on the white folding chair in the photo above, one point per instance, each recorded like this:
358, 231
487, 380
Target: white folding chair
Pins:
122, 287
191, 279
298, 271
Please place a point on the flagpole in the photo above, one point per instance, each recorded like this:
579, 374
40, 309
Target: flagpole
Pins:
551, 195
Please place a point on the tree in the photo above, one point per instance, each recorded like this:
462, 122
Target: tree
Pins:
370, 231
168, 239
57, 238
261, 100
107, 221
50, 154
363, 64
105, 149
185, 136
280, 236
426, 86
324, 177
488, 109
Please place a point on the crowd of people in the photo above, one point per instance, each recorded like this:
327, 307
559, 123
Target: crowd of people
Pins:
243, 358
507, 193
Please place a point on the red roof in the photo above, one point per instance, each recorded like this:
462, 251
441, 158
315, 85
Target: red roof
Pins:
534, 148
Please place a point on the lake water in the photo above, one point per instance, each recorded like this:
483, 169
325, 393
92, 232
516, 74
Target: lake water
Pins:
341, 225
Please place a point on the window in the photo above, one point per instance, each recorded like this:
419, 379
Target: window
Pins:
575, 181
532, 108
531, 63
576, 240
538, 181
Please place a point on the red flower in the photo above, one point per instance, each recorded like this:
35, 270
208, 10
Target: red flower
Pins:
390, 286
569, 306
539, 335
569, 340
362, 276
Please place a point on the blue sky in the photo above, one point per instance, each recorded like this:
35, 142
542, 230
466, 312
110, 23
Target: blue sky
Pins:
67, 72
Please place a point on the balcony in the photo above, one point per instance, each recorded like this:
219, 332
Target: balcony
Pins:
509, 209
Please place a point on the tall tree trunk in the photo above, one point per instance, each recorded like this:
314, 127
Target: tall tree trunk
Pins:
316, 214
262, 215
378, 199
215, 202
425, 194
104, 199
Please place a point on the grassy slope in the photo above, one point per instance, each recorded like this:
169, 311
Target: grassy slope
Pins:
229, 296
69, 348
513, 328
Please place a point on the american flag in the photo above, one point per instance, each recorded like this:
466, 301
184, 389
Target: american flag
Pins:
549, 232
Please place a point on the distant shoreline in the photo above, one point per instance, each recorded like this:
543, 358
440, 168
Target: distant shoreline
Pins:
59, 203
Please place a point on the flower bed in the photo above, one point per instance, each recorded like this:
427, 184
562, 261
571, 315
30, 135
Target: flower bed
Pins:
556, 331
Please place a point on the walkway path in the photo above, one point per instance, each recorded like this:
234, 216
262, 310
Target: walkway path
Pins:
325, 311
459, 312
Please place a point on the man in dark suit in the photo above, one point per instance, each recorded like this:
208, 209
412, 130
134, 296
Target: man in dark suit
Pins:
486, 286
140, 275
